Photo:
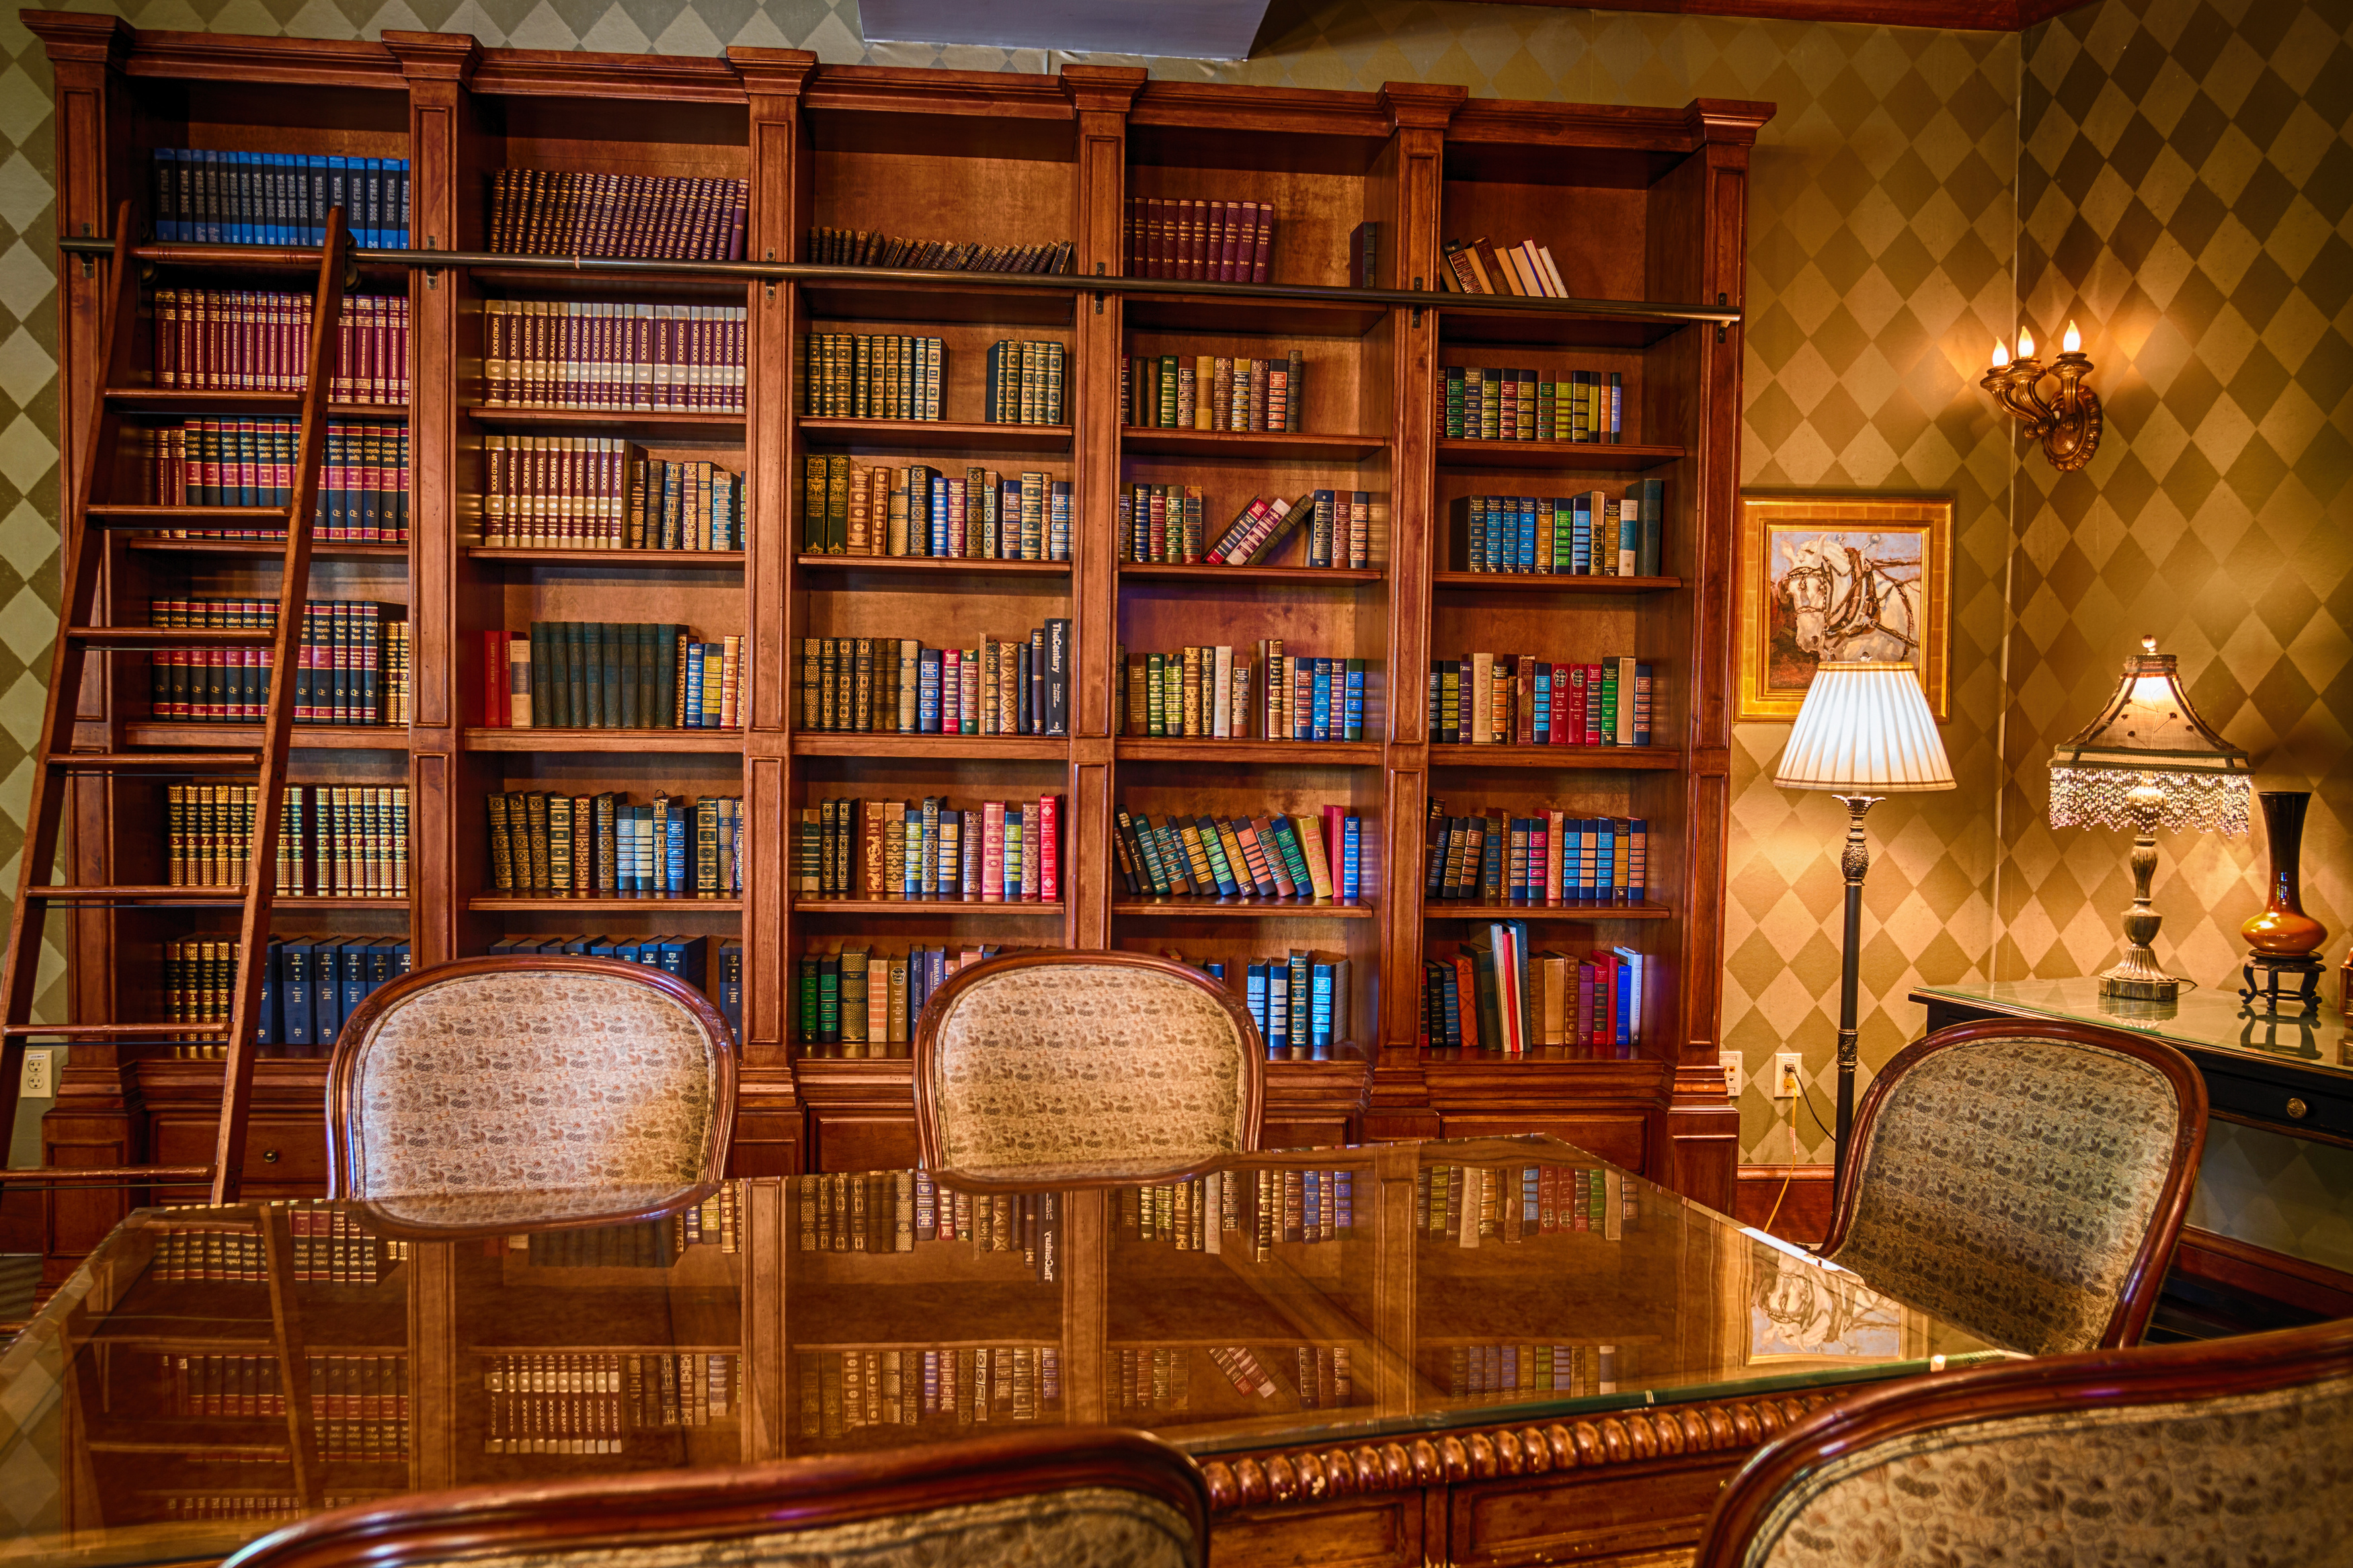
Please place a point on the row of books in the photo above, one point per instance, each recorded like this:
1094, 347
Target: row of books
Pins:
1264, 1206
332, 1247
329, 1248
1024, 382
1210, 691
1476, 266
211, 1508
587, 1401
311, 983
1484, 403
1590, 535
334, 841
1212, 392
892, 1211
610, 674
896, 685
642, 1244
351, 669
1519, 1370
223, 197
859, 1003
1517, 700
1467, 1205
714, 965
362, 494
1319, 1374
549, 845
1549, 859
600, 492
246, 340
1165, 523
664, 217
838, 1393
917, 508
863, 248
1495, 996
574, 353
1273, 855
870, 375
359, 1403
1199, 241
999, 852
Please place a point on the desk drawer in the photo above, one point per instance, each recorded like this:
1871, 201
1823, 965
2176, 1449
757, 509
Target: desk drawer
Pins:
279, 1149
2270, 1103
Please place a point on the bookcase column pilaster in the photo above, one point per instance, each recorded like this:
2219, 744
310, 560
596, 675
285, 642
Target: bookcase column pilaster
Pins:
437, 67
1101, 95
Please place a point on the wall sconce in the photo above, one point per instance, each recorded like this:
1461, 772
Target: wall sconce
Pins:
2069, 424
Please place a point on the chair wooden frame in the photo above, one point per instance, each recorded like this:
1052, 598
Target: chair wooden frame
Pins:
2137, 1296
926, 1054
733, 1502
361, 1025
2109, 1379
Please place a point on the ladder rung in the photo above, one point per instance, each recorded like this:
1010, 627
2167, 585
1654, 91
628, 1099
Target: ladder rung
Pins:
164, 1175
136, 893
110, 1031
169, 636
122, 516
151, 761
193, 400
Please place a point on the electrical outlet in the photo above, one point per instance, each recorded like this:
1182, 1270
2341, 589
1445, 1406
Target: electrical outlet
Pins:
1785, 1075
1733, 1071
38, 1082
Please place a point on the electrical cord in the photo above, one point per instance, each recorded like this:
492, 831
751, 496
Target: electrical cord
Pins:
1804, 1096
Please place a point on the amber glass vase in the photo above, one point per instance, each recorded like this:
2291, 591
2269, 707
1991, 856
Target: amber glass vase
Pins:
2283, 930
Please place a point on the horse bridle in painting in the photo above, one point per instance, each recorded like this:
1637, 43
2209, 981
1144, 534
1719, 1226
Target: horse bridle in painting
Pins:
1860, 610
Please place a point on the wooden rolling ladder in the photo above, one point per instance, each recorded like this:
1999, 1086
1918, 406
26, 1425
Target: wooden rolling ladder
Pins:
81, 633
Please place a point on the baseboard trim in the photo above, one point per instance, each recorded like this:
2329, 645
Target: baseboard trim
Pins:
1805, 1216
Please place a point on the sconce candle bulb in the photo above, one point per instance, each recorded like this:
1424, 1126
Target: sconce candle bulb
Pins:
2001, 353
2068, 426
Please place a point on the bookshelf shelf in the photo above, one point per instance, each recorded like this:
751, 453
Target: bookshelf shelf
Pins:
1302, 575
935, 566
605, 276
1299, 753
241, 404
1542, 583
984, 300
331, 903
494, 903
665, 560
265, 549
1267, 446
1246, 909
1602, 758
650, 743
1181, 311
1580, 913
923, 906
933, 436
974, 748
1594, 457
652, 423
306, 737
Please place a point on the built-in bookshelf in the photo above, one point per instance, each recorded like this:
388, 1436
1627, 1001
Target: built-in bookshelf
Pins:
640, 435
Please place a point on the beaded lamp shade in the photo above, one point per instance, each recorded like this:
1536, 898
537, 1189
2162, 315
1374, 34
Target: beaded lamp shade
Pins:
2150, 735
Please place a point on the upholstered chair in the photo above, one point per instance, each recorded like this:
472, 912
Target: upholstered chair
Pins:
1064, 1068
1093, 1499
2225, 1453
502, 1093
2024, 1180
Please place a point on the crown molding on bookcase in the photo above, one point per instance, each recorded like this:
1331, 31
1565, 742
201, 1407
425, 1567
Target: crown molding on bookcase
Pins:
772, 73
436, 57
81, 35
1107, 89
1421, 106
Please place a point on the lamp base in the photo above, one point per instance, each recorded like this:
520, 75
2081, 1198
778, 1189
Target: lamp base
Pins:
2132, 981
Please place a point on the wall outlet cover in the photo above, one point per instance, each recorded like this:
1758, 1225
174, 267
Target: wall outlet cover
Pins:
39, 1082
1787, 1066
1735, 1072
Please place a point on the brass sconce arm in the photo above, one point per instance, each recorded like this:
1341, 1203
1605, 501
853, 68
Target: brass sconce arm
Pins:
2068, 426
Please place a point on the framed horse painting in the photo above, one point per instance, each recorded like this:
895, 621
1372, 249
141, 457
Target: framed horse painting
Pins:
1835, 577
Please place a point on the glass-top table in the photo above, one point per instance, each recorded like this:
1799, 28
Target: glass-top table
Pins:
211, 1373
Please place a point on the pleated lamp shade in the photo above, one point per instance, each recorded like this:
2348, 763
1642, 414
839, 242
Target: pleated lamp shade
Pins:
1864, 729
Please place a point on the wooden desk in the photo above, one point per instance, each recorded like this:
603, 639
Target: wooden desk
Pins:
1457, 1352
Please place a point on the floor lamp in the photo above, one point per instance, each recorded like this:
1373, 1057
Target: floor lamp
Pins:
1863, 732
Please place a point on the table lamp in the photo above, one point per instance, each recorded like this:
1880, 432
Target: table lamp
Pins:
1863, 732
2147, 761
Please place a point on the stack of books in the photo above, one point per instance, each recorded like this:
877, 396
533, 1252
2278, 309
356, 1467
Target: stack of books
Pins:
596, 493
839, 1393
1199, 241
858, 1002
896, 685
309, 985
222, 340
1515, 699
1024, 384
1468, 1205
607, 675
1476, 266
1545, 858
996, 853
363, 497
1495, 996
353, 666
861, 247
1209, 692
361, 1400
218, 196
550, 846
1484, 403
865, 375
919, 509
588, 1402
1206, 391
334, 841
557, 212
635, 358
1273, 855
1247, 1213
1590, 535
713, 965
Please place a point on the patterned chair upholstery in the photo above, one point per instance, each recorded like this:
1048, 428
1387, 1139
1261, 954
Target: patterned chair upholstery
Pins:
1054, 1068
1094, 1499
2217, 1453
2026, 1181
496, 1092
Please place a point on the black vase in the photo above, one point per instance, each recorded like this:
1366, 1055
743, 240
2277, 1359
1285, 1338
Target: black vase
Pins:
2283, 930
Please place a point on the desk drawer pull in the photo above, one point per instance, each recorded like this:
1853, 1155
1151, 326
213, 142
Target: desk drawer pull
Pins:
2297, 1108
269, 1156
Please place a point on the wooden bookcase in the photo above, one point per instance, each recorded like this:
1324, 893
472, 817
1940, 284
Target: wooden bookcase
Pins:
1643, 209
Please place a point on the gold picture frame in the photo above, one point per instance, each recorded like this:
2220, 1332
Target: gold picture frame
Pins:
1841, 576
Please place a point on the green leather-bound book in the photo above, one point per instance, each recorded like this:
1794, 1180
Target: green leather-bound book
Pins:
609, 671
664, 672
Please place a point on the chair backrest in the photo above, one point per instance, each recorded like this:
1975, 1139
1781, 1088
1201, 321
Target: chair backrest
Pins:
593, 1086
1053, 1067
2218, 1452
1047, 1496
2025, 1180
